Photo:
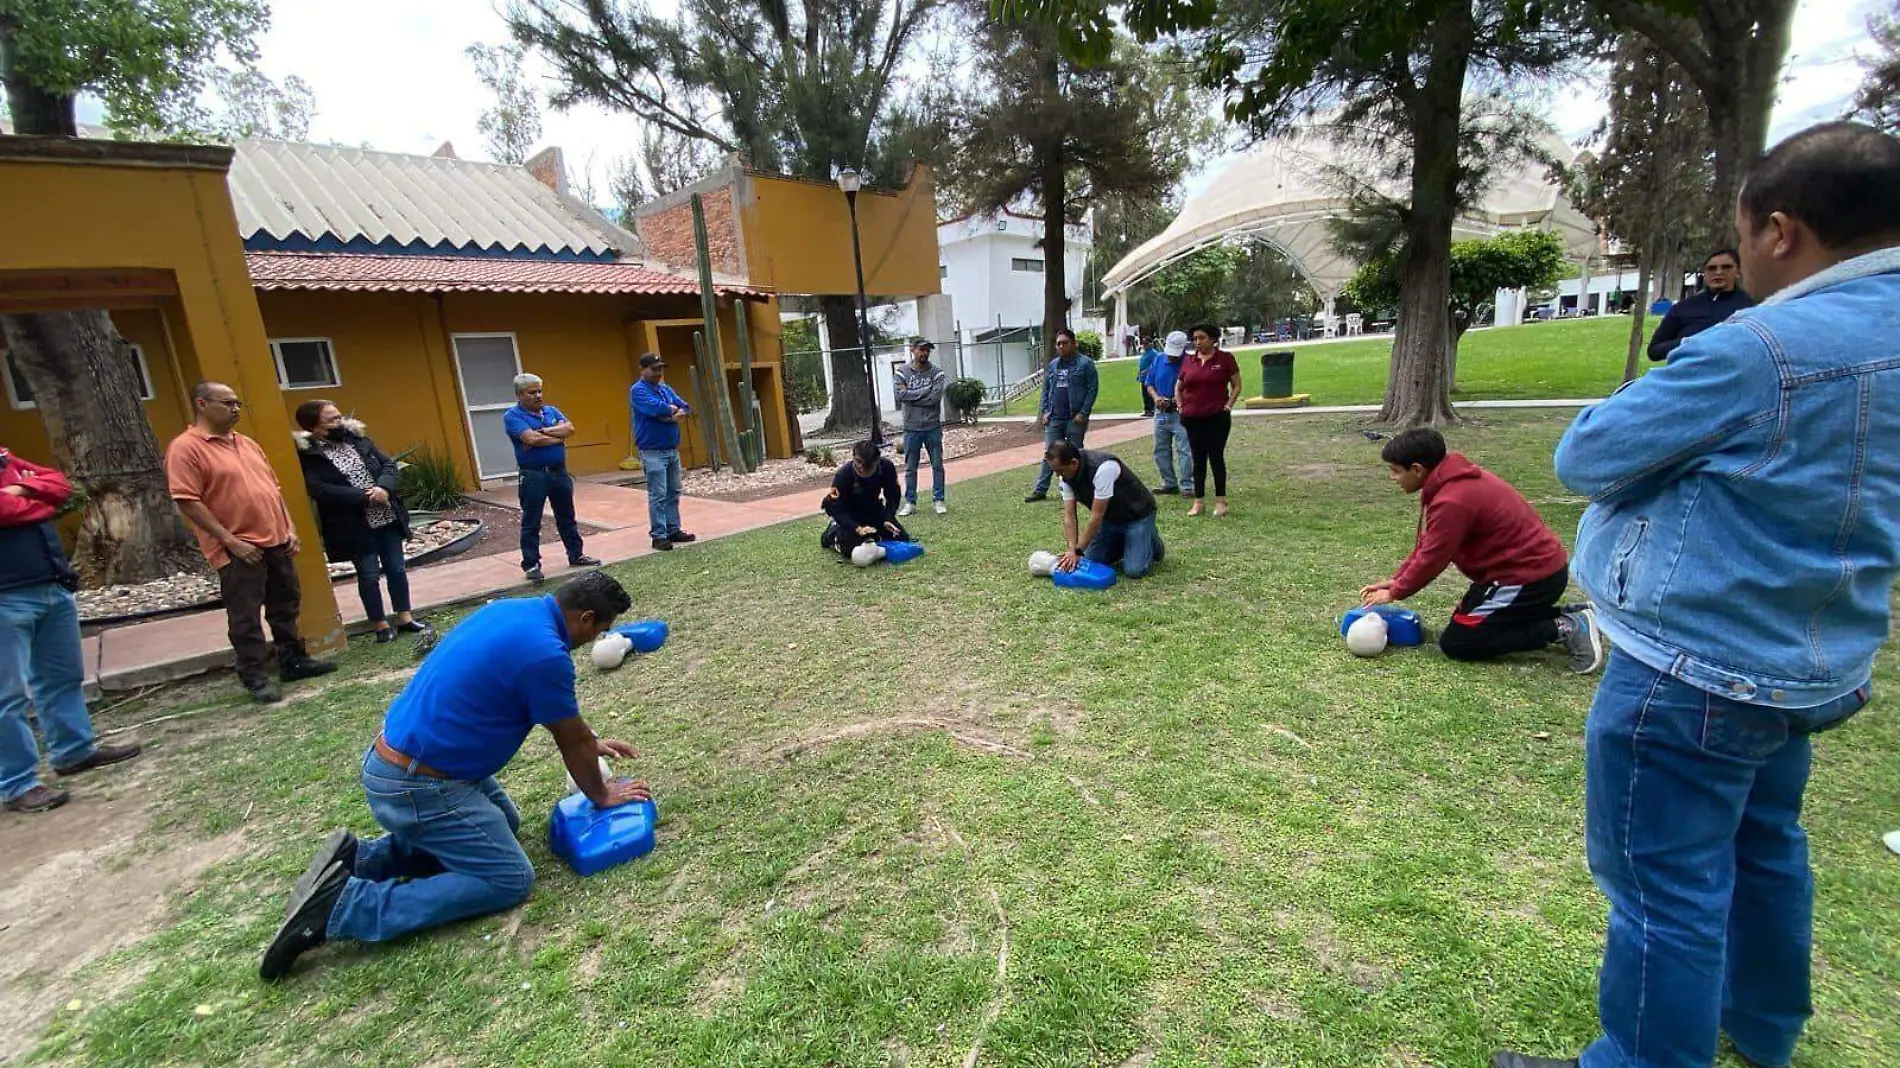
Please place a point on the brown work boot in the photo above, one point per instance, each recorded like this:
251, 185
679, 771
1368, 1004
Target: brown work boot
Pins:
39, 799
102, 756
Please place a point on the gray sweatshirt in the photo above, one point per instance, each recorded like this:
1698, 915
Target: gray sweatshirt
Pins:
920, 395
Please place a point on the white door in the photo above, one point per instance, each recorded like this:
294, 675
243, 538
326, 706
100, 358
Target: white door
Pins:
486, 366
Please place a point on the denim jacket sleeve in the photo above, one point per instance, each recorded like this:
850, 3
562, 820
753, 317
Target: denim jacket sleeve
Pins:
1085, 386
1048, 375
1718, 386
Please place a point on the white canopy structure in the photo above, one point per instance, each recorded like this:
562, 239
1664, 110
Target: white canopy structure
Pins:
1284, 192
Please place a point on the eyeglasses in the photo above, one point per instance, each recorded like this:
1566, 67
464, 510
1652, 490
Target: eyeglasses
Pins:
234, 404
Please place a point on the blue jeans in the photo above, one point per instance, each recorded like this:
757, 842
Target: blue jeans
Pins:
1058, 430
1171, 454
1693, 808
385, 563
40, 666
450, 854
539, 488
914, 442
662, 467
1136, 545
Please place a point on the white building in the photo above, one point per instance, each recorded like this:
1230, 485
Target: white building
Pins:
992, 269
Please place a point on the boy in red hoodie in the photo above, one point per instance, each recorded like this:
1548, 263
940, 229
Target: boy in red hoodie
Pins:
1475, 520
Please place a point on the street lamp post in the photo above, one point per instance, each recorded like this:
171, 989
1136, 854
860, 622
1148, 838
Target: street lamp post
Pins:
849, 182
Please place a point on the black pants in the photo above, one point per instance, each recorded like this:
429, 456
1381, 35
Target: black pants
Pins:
538, 488
385, 561
1207, 443
1494, 620
842, 534
269, 585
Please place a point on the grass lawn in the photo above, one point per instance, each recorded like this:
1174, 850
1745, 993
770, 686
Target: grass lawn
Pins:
908, 811
1581, 358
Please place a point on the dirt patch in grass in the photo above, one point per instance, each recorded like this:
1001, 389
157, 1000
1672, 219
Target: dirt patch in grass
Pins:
1314, 472
963, 734
79, 883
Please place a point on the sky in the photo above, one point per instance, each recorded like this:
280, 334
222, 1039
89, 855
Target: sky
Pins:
392, 74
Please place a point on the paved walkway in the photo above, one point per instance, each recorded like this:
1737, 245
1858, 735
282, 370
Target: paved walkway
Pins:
126, 658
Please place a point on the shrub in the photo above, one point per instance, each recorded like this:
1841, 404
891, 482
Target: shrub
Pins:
824, 457
966, 396
1089, 343
429, 481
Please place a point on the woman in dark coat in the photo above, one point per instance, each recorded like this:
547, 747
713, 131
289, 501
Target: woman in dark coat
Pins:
863, 502
361, 517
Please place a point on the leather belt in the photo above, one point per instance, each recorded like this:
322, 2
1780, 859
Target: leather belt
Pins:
407, 763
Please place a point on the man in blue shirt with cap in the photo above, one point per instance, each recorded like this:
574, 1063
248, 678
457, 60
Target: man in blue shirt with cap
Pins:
539, 432
450, 851
657, 412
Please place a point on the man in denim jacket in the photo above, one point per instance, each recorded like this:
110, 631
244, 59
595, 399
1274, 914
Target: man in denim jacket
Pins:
1741, 545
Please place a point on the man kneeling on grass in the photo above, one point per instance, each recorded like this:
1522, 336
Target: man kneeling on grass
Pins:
430, 776
1121, 528
1518, 569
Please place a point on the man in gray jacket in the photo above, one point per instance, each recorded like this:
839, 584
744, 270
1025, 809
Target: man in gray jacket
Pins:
920, 386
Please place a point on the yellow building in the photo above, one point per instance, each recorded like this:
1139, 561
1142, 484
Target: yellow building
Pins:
147, 232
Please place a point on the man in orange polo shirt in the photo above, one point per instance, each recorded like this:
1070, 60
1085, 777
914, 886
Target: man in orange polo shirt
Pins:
225, 487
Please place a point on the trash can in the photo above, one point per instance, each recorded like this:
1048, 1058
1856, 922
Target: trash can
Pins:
1276, 374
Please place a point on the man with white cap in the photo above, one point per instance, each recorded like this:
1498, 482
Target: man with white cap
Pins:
1171, 441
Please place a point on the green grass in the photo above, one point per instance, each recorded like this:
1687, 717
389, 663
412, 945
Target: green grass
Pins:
1207, 833
1581, 358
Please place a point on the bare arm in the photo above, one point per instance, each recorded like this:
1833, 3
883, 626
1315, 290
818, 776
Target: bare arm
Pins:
581, 752
1097, 512
560, 431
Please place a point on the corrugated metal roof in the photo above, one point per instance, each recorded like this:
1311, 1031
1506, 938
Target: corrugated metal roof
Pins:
468, 274
329, 197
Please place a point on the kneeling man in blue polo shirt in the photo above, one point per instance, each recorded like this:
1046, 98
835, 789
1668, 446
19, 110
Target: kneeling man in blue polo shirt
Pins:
430, 776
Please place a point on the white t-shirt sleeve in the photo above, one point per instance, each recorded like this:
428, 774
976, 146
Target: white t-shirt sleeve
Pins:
1067, 493
1105, 477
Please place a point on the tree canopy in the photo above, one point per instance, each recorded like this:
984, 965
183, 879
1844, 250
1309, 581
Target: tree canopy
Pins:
512, 124
1878, 99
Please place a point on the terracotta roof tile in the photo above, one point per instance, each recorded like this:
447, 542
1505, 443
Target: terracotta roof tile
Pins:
468, 274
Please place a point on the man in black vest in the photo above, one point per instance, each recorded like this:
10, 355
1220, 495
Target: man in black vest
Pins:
1121, 511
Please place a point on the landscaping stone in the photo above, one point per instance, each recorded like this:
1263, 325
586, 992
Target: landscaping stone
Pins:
958, 441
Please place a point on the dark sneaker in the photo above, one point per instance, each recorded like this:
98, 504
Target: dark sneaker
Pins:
1584, 641
1525, 1060
534, 575
1037, 495
339, 848
1168, 491
385, 635
39, 799
662, 545
414, 626
306, 923
101, 757
263, 691
582, 560
680, 537
303, 666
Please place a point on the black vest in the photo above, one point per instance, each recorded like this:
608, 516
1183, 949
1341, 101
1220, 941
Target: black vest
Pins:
1131, 501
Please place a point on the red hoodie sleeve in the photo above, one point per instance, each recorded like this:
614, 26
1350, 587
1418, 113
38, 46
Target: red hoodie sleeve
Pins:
48, 484
1445, 525
46, 490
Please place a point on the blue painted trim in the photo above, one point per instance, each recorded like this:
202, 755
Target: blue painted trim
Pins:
263, 242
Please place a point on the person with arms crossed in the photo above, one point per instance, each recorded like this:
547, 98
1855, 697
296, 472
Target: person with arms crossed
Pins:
539, 432
657, 412
1741, 543
449, 851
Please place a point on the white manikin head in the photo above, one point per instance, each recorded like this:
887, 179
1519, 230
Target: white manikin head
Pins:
1042, 563
610, 649
1366, 636
867, 554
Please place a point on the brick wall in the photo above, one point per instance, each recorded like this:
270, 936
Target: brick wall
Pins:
546, 166
668, 234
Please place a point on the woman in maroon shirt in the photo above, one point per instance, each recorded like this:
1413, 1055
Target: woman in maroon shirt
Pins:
1207, 390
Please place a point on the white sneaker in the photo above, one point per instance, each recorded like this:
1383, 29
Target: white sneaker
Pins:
938, 505
905, 509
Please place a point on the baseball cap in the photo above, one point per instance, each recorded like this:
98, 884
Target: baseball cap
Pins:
1176, 344
923, 343
652, 359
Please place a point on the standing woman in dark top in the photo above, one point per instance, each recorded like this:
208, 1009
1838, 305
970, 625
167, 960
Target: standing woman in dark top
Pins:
863, 502
359, 513
1206, 392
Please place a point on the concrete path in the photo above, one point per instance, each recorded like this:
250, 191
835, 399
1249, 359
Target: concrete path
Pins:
130, 657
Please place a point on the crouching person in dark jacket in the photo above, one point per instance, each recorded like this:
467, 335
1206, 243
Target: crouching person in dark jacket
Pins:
360, 514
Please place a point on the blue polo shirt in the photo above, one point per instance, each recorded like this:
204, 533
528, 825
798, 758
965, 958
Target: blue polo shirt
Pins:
518, 420
491, 679
650, 432
1163, 374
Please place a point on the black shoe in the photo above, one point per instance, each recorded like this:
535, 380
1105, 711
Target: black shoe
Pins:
263, 691
533, 574
101, 757
339, 848
1525, 1060
680, 537
582, 560
1038, 495
39, 799
300, 666
385, 635
662, 545
1168, 491
306, 923
414, 626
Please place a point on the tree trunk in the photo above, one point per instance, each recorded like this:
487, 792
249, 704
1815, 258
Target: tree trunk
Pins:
1054, 192
87, 387
1417, 394
1637, 313
34, 110
851, 403
1747, 41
